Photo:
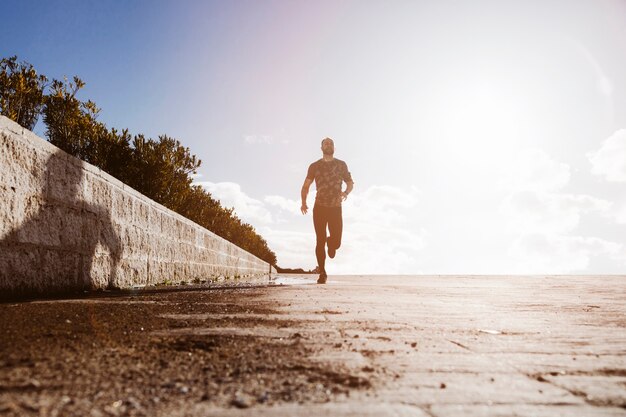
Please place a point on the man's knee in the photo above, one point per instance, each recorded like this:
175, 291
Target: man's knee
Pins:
334, 242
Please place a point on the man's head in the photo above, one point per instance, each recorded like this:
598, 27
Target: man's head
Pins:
328, 146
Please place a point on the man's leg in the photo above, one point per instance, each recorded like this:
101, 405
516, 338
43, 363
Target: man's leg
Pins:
335, 228
320, 220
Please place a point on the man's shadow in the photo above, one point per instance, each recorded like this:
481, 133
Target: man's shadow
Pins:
68, 242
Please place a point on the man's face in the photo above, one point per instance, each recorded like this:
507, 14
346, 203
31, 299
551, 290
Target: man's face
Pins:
328, 147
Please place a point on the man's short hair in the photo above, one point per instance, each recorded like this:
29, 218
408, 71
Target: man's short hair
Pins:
328, 139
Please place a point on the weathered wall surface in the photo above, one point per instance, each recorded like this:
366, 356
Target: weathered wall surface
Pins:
66, 225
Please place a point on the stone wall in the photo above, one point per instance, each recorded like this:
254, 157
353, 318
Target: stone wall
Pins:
65, 225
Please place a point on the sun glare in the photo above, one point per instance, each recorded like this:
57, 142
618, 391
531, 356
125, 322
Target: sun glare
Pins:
480, 120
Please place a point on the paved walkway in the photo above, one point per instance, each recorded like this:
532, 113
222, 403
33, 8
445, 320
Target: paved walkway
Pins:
390, 346
467, 346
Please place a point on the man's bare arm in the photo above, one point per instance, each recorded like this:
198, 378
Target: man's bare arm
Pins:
304, 192
349, 187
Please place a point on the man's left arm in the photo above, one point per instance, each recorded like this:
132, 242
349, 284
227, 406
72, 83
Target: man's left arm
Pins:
349, 187
347, 177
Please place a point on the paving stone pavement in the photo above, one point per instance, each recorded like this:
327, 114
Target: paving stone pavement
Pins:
466, 345
430, 346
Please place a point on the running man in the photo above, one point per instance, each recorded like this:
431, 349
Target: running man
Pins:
328, 173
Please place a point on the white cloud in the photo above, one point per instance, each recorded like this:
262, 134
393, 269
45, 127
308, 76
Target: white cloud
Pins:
380, 233
286, 204
375, 249
541, 212
610, 160
383, 231
533, 169
534, 203
294, 249
552, 254
544, 217
386, 195
620, 215
230, 195
380, 205
378, 236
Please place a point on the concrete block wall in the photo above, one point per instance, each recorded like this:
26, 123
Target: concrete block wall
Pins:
66, 225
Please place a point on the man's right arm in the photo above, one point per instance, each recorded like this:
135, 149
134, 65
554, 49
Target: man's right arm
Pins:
304, 192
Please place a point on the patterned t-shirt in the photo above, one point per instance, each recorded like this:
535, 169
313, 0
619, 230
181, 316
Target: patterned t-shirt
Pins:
328, 176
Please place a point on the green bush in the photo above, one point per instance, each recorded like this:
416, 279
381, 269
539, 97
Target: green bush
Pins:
21, 92
161, 169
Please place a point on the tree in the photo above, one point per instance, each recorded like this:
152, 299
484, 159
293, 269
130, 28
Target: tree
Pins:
200, 207
160, 169
21, 92
72, 125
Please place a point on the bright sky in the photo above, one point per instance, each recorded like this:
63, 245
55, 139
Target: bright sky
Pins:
484, 137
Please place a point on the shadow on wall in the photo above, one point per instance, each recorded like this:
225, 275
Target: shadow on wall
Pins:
61, 239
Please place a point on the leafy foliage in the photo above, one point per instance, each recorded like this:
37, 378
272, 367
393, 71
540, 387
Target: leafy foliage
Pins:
200, 207
160, 169
21, 92
72, 126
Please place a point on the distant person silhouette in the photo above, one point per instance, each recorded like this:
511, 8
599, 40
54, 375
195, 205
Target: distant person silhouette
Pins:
64, 230
329, 174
